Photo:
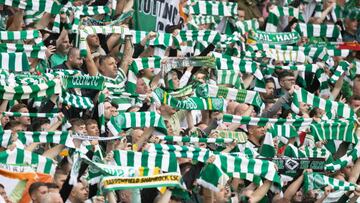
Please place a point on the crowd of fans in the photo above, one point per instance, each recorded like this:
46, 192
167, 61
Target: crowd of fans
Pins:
114, 59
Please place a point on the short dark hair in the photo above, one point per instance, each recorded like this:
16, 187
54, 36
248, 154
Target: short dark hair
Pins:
268, 80
90, 122
36, 126
103, 58
17, 107
11, 124
285, 74
77, 121
354, 97
35, 186
52, 185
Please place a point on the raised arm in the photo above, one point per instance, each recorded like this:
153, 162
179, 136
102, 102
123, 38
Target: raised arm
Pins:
260, 192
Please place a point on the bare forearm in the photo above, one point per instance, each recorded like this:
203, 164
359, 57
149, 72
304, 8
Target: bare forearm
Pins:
293, 188
53, 152
128, 51
261, 191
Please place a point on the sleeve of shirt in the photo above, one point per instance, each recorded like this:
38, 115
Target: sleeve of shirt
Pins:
185, 79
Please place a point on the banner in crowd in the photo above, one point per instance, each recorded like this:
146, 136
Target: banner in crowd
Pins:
153, 15
274, 38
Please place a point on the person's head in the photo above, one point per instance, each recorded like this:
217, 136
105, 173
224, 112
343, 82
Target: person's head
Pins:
354, 101
93, 41
74, 59
241, 14
240, 109
52, 197
92, 127
41, 124
348, 170
141, 87
107, 66
287, 80
22, 108
79, 193
78, 126
269, 88
172, 80
60, 177
4, 120
169, 128
64, 47
351, 25
37, 191
108, 110
147, 73
52, 187
230, 109
14, 126
201, 75
256, 132
136, 135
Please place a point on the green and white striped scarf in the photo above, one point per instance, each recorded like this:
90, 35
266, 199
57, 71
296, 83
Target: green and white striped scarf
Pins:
267, 148
31, 115
31, 91
19, 35
224, 62
316, 180
292, 151
344, 161
211, 176
194, 139
161, 39
50, 6
14, 62
40, 163
284, 132
299, 122
191, 103
203, 19
238, 167
136, 119
229, 77
240, 137
334, 130
340, 109
318, 30
137, 65
276, 12
245, 26
58, 137
76, 101
105, 169
213, 8
241, 96
286, 55
86, 10
333, 50
90, 30
313, 52
32, 51
202, 36
342, 68
165, 161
